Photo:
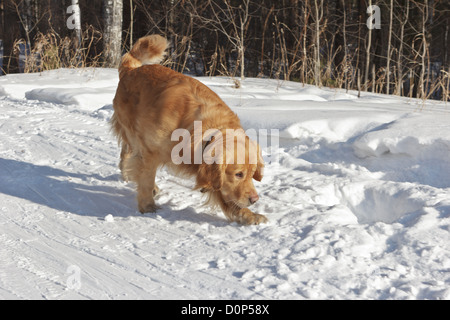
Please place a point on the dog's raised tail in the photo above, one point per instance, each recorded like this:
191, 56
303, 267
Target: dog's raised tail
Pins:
147, 50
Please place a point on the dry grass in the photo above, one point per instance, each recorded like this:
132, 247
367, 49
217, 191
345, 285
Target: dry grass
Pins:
50, 51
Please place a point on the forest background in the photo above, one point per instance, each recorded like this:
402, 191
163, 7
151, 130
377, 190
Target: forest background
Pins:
386, 46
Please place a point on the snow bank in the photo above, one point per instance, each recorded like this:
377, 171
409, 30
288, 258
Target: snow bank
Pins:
86, 88
357, 194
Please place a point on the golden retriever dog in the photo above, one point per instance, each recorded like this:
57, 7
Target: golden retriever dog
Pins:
155, 107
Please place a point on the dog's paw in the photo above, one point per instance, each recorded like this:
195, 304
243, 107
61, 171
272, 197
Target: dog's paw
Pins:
246, 216
148, 208
258, 219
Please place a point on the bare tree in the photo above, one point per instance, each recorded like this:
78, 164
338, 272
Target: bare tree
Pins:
306, 13
232, 22
368, 45
131, 22
403, 21
112, 37
318, 10
23, 10
74, 21
423, 55
388, 62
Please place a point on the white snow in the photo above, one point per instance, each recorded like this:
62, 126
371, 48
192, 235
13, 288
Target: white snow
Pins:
357, 196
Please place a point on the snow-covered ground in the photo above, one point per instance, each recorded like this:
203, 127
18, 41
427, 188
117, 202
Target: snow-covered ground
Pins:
357, 195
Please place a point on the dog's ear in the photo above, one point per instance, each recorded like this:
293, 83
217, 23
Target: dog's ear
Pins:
259, 173
209, 177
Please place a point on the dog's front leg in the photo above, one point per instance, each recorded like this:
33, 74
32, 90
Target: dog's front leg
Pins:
242, 215
145, 196
246, 216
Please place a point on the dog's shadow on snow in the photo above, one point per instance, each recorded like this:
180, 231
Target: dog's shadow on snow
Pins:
81, 193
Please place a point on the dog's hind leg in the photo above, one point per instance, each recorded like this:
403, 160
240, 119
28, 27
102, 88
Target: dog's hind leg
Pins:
156, 190
125, 156
146, 187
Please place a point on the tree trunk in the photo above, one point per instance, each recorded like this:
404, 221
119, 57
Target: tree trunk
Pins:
318, 17
388, 63
112, 37
421, 92
368, 45
304, 38
27, 20
243, 20
75, 22
346, 58
131, 22
399, 85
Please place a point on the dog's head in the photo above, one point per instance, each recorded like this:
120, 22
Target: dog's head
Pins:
229, 167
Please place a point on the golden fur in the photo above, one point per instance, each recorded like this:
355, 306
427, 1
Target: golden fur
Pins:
150, 103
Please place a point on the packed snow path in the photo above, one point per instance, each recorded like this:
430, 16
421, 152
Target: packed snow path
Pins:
357, 195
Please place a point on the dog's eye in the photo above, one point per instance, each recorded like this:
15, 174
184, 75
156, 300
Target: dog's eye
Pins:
239, 175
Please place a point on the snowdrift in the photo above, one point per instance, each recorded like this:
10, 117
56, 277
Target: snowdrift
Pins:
357, 192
